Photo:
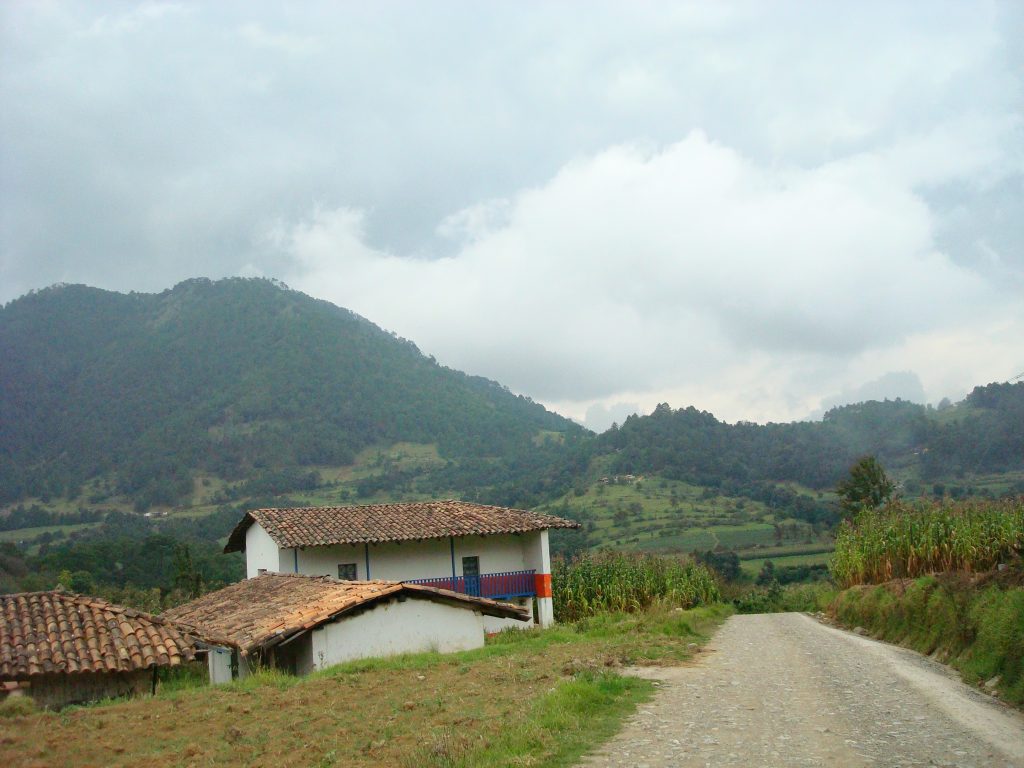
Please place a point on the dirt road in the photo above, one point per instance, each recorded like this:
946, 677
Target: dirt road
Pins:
784, 690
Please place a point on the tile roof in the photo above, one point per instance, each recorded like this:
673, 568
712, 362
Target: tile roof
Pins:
371, 523
44, 632
269, 608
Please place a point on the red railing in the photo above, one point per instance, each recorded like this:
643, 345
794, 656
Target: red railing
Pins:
494, 585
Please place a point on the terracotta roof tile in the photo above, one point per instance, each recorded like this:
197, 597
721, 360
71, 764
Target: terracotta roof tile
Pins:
61, 632
269, 608
370, 523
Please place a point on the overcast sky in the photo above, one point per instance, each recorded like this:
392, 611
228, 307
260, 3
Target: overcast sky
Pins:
761, 210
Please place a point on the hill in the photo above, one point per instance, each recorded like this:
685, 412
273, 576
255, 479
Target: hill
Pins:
235, 379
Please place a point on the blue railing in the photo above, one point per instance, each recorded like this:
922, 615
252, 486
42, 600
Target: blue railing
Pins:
494, 585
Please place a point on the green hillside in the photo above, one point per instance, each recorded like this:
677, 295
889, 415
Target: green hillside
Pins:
235, 379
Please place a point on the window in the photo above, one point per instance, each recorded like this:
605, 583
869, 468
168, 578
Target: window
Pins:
347, 571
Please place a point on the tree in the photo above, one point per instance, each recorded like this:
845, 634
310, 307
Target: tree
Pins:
867, 487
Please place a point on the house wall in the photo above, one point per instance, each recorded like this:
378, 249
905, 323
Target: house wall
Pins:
261, 551
412, 626
415, 560
408, 559
57, 690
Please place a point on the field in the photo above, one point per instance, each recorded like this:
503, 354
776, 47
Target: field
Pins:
541, 697
654, 514
753, 567
910, 540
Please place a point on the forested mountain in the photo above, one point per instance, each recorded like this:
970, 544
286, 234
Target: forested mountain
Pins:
982, 434
232, 378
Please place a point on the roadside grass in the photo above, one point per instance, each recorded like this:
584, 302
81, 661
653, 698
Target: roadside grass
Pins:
974, 623
537, 697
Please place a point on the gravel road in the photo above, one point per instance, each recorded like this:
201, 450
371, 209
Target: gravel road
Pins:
784, 690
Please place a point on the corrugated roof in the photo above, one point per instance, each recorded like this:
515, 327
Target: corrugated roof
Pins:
374, 523
47, 632
269, 608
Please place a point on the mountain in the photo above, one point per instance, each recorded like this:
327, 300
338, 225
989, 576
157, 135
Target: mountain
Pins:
984, 434
231, 378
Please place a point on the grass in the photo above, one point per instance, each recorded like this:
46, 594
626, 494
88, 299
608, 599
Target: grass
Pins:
753, 567
539, 697
974, 623
28, 534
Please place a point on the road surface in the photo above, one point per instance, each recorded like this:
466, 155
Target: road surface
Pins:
784, 690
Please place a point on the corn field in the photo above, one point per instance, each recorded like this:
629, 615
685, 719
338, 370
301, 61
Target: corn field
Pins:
909, 540
614, 581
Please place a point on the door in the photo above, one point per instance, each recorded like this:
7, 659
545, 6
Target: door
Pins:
471, 574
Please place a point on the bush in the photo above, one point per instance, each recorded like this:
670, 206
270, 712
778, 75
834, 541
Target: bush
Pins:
17, 706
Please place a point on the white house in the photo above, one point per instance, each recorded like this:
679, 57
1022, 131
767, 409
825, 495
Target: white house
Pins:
474, 549
303, 623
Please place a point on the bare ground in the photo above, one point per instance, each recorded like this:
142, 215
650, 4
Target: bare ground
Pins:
784, 690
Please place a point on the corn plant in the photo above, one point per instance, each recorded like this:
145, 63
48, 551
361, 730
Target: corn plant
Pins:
615, 581
905, 540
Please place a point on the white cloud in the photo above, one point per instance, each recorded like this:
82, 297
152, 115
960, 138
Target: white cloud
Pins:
685, 268
294, 45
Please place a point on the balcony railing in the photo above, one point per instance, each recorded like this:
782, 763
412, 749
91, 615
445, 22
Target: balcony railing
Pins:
493, 585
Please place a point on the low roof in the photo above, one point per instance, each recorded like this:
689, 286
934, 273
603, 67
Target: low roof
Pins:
374, 523
265, 610
46, 632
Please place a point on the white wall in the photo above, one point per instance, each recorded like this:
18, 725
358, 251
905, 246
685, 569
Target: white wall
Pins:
261, 551
417, 559
411, 626
324, 561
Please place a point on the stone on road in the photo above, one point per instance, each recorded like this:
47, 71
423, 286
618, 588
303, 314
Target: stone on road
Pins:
783, 690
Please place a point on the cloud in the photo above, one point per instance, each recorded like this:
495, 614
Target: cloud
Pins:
133, 20
743, 207
646, 269
600, 417
294, 45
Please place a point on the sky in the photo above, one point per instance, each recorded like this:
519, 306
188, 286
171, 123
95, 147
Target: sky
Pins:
759, 209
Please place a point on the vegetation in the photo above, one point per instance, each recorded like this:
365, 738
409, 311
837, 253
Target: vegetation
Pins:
974, 623
135, 425
526, 698
909, 540
233, 378
615, 581
867, 487
814, 597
